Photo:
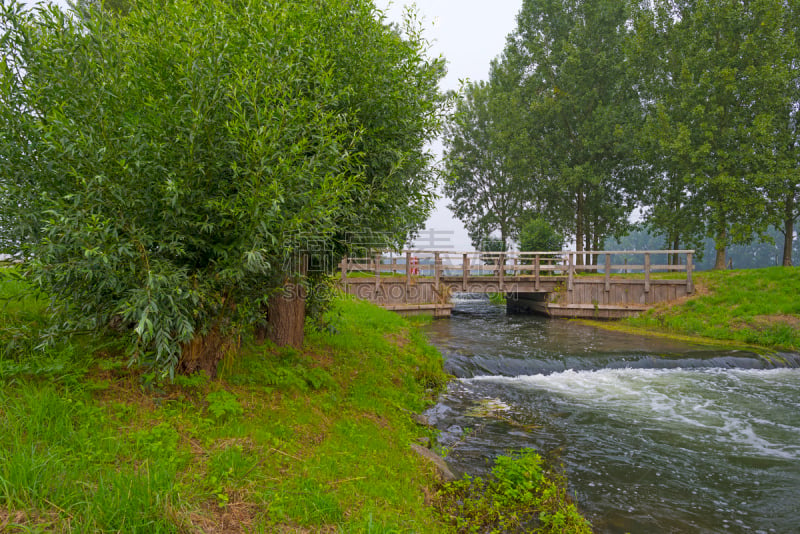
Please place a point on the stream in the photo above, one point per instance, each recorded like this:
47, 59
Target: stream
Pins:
655, 435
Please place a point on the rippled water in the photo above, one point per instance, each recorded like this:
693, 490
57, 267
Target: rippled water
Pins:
656, 436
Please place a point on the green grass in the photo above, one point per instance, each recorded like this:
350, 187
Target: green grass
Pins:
756, 306
283, 441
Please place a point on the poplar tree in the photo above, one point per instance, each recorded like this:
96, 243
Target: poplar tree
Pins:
784, 188
580, 112
488, 181
715, 81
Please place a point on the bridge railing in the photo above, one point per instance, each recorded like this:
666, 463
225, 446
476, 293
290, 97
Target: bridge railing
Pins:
505, 265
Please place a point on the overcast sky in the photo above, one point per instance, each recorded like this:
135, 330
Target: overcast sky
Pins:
469, 34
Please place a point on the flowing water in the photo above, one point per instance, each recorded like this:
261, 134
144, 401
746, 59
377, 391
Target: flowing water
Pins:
655, 435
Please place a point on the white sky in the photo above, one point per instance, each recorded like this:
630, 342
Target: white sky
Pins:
469, 34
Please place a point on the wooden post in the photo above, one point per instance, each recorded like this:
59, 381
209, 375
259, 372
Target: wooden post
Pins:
608, 272
465, 271
377, 273
536, 261
689, 284
501, 265
437, 270
408, 269
647, 272
570, 271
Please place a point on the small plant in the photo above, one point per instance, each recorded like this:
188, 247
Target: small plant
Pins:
497, 298
160, 440
519, 496
223, 405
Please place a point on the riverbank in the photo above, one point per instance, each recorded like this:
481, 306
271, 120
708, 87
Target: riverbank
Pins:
754, 308
283, 441
317, 440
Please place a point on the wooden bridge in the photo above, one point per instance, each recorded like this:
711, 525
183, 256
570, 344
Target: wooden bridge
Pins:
610, 285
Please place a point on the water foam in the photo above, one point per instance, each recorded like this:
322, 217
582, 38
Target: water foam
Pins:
707, 407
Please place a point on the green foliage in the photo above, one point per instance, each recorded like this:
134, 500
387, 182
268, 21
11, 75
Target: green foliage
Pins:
195, 381
160, 440
498, 299
223, 405
164, 171
686, 109
487, 183
720, 82
539, 235
286, 370
553, 131
62, 462
519, 496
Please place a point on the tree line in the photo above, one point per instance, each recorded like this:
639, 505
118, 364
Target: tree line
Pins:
173, 171
684, 112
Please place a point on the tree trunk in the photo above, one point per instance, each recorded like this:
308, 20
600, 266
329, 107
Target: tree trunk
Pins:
719, 262
675, 257
286, 314
788, 232
597, 247
204, 353
579, 229
588, 232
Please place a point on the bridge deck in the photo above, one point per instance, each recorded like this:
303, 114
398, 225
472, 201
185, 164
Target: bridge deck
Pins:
554, 283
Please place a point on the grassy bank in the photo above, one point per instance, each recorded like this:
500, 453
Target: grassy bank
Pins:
755, 307
283, 441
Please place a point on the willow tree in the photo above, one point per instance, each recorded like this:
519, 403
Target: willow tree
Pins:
165, 170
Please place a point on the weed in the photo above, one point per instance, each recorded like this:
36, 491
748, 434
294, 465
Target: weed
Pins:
223, 405
498, 299
519, 496
194, 381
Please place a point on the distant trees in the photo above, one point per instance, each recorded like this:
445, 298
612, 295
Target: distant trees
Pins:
488, 184
570, 116
758, 253
687, 109
167, 170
